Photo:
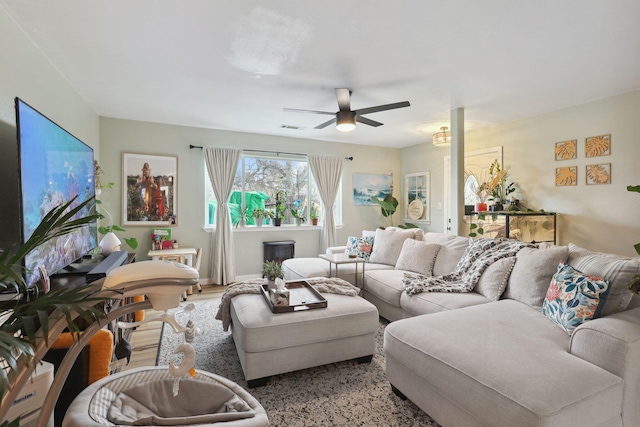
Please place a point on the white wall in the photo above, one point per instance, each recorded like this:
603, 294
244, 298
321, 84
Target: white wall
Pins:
599, 217
117, 136
27, 74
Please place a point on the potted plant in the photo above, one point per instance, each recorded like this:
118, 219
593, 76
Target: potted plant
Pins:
298, 215
501, 190
260, 214
313, 213
239, 215
634, 285
19, 331
388, 206
280, 208
109, 241
272, 271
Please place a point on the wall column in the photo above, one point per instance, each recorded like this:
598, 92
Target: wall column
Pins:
456, 216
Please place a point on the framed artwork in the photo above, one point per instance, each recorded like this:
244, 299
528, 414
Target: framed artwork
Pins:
598, 174
149, 193
596, 146
417, 197
366, 185
566, 176
566, 150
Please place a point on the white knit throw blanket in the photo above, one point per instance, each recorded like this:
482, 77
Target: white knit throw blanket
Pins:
330, 285
480, 254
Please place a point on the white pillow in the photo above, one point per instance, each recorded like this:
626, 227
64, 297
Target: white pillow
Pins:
418, 257
388, 243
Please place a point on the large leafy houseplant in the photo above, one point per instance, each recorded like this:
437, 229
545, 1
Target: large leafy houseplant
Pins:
635, 281
27, 318
388, 206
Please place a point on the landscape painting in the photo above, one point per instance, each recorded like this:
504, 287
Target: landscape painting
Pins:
367, 185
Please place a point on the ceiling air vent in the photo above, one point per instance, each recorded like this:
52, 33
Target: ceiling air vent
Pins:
292, 127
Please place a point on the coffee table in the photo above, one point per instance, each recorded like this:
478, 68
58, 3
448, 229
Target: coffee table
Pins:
342, 258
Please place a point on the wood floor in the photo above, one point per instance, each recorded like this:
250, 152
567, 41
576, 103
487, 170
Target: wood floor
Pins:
144, 339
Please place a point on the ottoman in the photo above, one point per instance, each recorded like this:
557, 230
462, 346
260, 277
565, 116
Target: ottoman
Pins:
274, 343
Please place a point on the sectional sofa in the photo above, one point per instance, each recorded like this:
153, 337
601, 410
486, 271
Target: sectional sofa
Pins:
512, 351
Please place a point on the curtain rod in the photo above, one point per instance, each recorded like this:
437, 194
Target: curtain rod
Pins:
191, 146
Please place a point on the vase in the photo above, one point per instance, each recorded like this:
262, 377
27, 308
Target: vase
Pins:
109, 243
259, 222
277, 222
271, 284
314, 221
481, 207
298, 221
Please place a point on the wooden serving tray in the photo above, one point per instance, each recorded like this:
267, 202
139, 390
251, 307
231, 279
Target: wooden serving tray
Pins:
302, 296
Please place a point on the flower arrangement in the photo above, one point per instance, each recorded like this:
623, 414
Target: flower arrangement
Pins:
496, 187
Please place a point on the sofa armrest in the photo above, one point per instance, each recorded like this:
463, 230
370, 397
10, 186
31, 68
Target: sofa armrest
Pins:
336, 249
613, 343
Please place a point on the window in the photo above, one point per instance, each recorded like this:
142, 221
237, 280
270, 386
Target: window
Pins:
259, 179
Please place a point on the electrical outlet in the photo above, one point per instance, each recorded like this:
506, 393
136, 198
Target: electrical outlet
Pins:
439, 206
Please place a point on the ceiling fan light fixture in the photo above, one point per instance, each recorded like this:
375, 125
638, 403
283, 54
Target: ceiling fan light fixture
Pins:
442, 139
345, 121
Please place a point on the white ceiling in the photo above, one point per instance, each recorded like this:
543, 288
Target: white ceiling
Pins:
235, 65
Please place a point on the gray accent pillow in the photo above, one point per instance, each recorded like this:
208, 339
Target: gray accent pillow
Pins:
451, 251
387, 245
494, 279
418, 257
531, 276
617, 269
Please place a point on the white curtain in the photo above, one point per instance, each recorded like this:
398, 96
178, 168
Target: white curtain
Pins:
221, 165
327, 171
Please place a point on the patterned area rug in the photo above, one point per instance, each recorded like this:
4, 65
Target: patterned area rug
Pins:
339, 394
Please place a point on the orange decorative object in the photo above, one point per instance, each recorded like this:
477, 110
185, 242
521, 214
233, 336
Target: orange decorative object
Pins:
100, 352
481, 207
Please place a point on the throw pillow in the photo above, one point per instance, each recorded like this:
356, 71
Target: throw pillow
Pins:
388, 244
451, 251
360, 247
617, 269
494, 279
418, 257
530, 277
573, 298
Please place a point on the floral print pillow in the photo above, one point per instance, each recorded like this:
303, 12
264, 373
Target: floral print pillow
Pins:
360, 246
573, 298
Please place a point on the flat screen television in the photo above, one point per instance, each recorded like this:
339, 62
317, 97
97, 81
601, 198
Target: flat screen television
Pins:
54, 167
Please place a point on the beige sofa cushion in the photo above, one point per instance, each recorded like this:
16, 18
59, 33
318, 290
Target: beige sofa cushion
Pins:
532, 274
505, 364
418, 257
387, 244
451, 250
618, 270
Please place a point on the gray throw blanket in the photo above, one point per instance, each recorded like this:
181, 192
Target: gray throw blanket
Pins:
480, 254
330, 285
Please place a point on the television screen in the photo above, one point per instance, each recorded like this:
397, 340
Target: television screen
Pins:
55, 166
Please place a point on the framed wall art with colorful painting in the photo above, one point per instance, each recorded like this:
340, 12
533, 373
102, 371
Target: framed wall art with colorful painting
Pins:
149, 195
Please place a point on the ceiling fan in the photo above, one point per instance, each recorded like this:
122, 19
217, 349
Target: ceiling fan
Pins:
345, 117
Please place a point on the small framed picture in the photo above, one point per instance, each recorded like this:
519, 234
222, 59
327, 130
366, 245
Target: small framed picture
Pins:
598, 174
566, 150
596, 146
566, 176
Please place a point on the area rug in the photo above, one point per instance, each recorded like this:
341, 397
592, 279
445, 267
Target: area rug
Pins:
339, 394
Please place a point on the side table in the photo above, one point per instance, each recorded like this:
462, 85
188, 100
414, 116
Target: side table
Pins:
342, 258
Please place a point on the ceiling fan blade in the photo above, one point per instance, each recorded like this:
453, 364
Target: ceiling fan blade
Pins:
383, 107
325, 124
368, 121
343, 96
297, 110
